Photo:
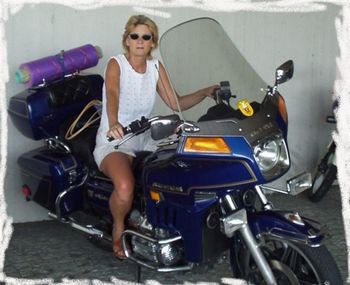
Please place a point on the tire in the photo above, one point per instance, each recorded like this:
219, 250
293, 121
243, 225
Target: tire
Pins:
322, 183
291, 263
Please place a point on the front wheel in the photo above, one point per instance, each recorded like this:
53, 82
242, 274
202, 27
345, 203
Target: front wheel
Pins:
291, 264
325, 175
322, 183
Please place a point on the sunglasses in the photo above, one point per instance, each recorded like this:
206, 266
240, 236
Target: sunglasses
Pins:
145, 37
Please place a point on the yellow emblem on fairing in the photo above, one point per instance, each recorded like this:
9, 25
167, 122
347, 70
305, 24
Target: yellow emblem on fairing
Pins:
244, 106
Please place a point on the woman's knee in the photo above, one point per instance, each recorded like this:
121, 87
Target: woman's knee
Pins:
124, 189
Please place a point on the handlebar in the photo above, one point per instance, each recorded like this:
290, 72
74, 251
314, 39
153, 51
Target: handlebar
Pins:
135, 127
139, 126
162, 127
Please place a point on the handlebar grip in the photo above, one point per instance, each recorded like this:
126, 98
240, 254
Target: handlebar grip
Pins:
134, 127
126, 130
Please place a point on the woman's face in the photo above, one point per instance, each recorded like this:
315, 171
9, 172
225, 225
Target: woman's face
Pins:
140, 41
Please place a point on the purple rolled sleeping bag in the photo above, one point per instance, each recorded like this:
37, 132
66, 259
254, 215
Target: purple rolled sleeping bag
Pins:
57, 66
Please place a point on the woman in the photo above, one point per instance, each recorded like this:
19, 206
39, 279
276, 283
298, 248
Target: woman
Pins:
132, 81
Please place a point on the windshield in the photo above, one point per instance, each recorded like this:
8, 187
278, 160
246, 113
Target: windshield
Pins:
199, 53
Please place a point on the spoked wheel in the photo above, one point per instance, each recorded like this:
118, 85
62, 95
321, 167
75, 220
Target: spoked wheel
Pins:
292, 264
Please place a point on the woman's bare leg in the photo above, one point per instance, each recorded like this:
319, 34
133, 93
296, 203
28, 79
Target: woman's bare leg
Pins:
117, 166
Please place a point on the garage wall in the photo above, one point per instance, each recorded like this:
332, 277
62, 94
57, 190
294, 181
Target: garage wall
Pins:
265, 39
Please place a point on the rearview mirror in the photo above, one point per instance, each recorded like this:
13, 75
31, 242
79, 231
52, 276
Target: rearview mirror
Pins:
284, 72
164, 126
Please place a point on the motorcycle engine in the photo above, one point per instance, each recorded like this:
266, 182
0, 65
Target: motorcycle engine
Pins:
161, 254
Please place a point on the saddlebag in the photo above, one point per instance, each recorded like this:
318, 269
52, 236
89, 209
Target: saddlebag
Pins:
47, 173
38, 112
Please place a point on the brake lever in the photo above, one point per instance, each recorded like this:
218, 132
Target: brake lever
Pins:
135, 127
130, 130
124, 139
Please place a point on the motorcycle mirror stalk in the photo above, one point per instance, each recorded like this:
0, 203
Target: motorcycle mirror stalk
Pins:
283, 73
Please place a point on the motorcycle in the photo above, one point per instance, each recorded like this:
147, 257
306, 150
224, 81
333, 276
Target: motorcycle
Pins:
202, 192
326, 172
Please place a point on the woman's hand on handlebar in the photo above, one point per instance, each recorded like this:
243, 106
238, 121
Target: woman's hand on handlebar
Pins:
115, 132
210, 91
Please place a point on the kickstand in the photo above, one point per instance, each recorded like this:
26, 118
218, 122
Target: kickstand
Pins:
138, 273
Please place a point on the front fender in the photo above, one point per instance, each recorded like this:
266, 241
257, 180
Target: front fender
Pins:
287, 225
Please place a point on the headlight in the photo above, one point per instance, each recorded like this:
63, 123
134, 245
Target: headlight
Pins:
272, 157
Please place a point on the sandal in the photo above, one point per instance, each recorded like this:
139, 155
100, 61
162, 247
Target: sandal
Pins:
118, 250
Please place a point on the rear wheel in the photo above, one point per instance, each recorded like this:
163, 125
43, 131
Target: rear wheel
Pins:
291, 263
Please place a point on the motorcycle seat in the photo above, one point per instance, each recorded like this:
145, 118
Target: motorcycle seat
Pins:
82, 146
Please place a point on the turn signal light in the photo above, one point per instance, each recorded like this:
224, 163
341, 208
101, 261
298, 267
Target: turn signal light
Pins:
282, 109
206, 145
155, 196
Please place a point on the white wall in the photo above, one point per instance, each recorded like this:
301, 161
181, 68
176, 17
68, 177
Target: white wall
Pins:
266, 40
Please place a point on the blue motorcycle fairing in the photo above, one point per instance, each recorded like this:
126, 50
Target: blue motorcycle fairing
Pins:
47, 173
187, 221
279, 120
274, 223
197, 174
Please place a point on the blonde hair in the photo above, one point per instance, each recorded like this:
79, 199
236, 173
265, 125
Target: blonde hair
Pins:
140, 20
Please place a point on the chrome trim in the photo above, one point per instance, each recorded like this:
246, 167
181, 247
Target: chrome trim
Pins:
257, 254
131, 135
89, 229
267, 205
233, 222
128, 253
167, 143
269, 188
204, 196
227, 200
226, 121
288, 235
283, 191
238, 221
299, 183
66, 191
124, 139
54, 143
189, 127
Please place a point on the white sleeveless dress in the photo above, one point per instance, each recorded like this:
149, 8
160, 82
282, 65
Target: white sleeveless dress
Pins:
137, 97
